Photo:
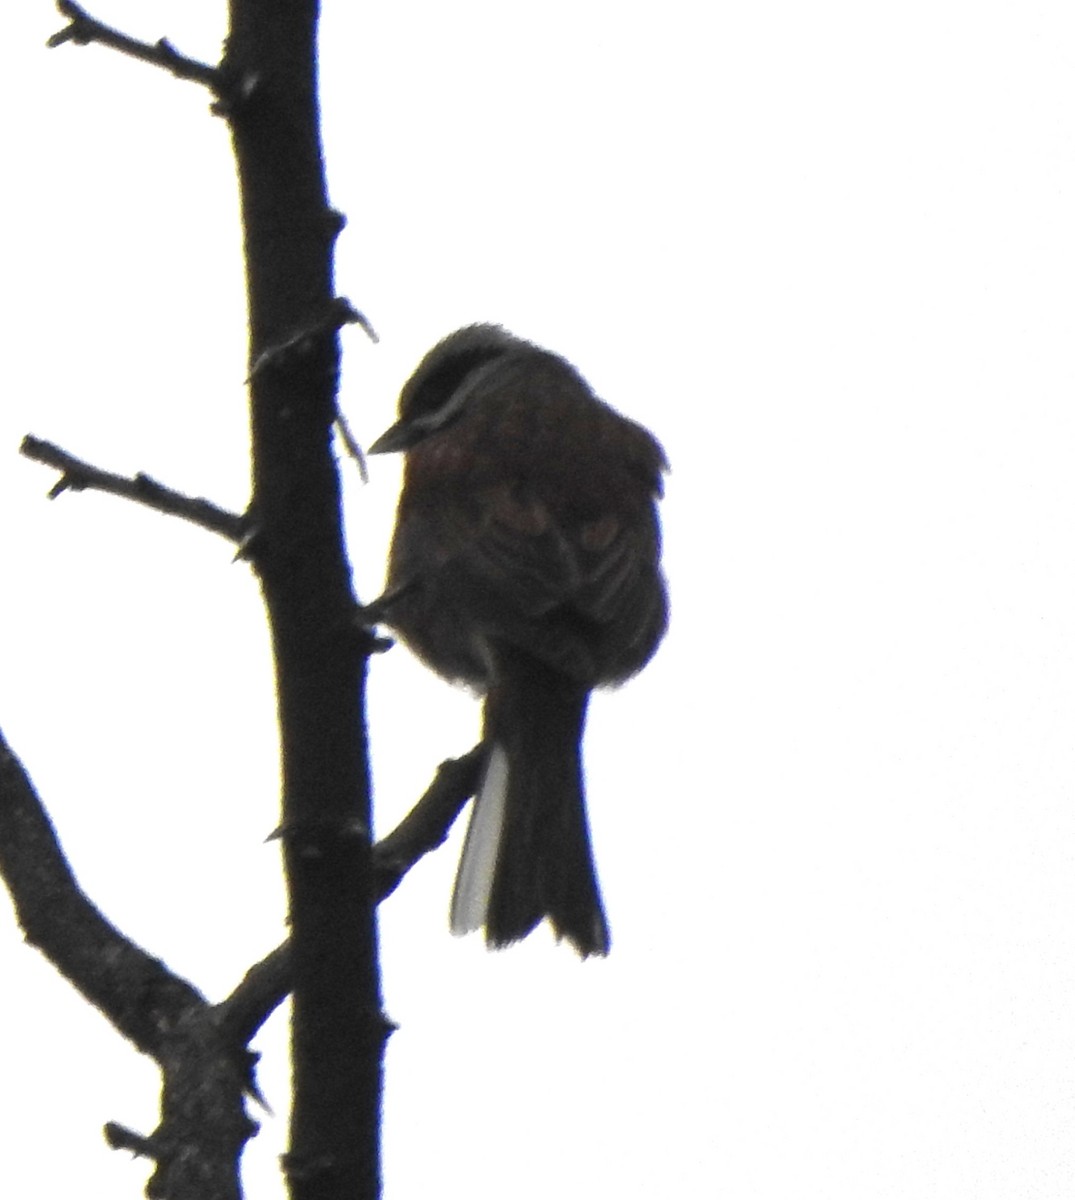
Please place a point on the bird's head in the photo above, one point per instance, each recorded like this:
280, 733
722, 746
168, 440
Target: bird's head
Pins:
435, 394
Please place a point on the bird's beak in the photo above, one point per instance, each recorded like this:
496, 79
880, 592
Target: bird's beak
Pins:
397, 437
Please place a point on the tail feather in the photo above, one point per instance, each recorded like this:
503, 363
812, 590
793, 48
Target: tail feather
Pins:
527, 854
477, 867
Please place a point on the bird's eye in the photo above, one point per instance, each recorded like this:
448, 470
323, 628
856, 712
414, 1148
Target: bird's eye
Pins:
433, 390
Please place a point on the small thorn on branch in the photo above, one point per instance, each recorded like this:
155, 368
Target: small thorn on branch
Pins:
84, 29
312, 839
364, 323
119, 1137
247, 543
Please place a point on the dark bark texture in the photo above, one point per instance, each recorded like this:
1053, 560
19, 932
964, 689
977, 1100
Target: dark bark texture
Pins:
266, 88
289, 231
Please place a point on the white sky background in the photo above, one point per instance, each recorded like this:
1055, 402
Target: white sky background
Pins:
826, 252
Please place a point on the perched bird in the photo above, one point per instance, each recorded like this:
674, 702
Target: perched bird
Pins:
524, 563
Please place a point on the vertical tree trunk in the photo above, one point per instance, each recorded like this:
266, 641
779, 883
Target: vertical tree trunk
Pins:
338, 1029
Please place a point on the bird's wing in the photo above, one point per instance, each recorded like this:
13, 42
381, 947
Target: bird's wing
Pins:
581, 594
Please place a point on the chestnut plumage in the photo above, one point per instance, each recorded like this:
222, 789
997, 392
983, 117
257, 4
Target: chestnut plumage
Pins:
525, 563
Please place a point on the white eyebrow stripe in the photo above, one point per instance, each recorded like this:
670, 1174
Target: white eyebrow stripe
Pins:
430, 422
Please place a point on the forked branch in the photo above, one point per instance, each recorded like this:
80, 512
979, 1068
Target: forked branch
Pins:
423, 829
201, 1049
84, 29
206, 1076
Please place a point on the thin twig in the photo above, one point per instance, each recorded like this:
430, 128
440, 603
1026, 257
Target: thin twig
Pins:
78, 476
350, 444
427, 825
265, 986
84, 29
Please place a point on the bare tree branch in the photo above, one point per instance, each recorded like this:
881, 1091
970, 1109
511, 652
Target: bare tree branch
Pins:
137, 993
84, 29
268, 983
82, 476
207, 1075
426, 826
265, 986
267, 89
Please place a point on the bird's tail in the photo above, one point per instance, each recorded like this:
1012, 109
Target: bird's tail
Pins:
527, 853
